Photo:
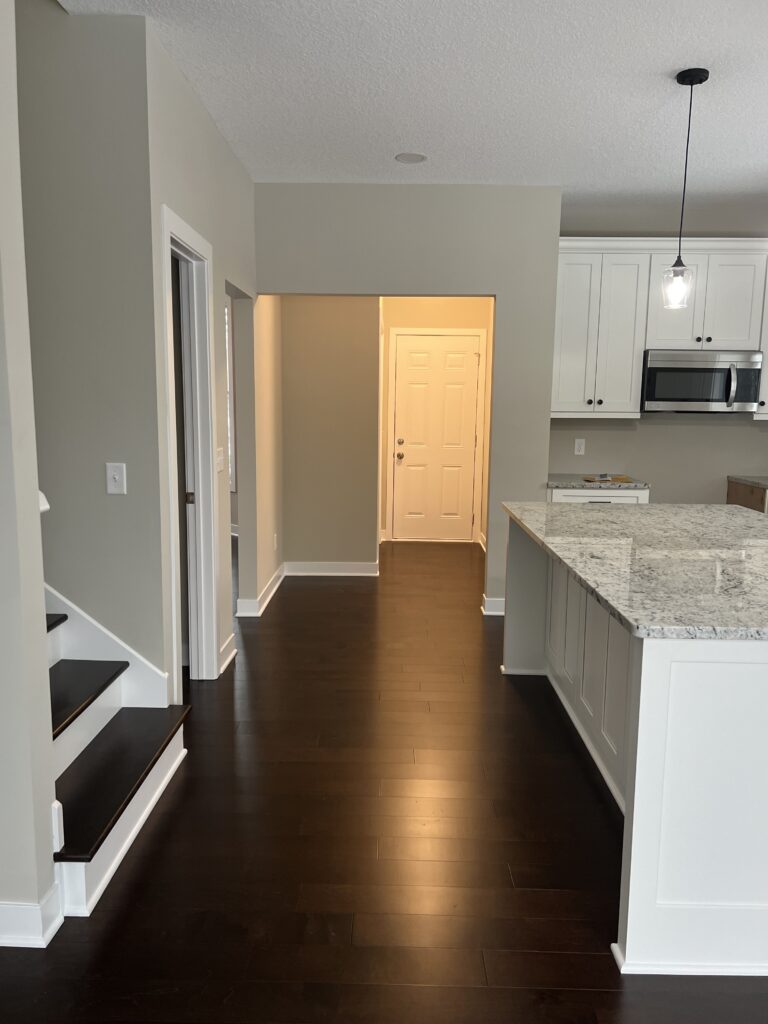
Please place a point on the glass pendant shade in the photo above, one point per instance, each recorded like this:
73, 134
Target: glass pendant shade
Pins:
676, 285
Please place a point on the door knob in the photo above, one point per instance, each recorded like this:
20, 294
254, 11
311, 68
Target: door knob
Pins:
401, 440
400, 456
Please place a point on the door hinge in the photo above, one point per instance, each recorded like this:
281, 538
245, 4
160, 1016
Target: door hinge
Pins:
189, 497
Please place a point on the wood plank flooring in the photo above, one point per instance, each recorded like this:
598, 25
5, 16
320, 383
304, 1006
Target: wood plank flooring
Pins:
372, 827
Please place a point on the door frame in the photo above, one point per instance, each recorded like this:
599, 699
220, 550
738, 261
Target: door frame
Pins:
196, 255
480, 426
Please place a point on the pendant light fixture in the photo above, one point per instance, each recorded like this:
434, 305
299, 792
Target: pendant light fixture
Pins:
678, 279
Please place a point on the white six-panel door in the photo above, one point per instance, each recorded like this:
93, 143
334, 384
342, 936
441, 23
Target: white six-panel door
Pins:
435, 435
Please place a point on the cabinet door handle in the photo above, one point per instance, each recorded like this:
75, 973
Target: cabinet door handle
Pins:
590, 401
707, 339
599, 401
699, 339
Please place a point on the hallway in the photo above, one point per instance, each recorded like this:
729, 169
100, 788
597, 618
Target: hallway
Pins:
372, 825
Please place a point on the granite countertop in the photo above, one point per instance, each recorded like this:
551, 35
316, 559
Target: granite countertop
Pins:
664, 571
574, 481
751, 481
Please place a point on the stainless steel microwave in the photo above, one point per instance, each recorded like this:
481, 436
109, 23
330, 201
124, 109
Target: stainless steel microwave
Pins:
682, 381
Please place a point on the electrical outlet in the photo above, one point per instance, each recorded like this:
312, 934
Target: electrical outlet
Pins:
579, 446
116, 478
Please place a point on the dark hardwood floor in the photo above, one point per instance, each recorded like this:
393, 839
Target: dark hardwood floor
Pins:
372, 827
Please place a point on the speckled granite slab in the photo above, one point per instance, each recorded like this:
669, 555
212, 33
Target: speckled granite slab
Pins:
751, 481
664, 571
569, 481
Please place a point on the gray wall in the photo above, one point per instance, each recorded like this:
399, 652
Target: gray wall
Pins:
85, 166
330, 347
439, 240
708, 216
26, 772
196, 174
685, 458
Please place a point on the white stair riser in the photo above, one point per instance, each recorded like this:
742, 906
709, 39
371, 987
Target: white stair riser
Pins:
83, 883
72, 742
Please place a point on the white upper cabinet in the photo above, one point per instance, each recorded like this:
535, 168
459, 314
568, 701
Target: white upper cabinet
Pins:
734, 305
726, 306
576, 324
621, 334
600, 334
676, 328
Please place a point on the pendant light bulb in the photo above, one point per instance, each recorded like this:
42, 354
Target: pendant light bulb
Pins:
676, 285
677, 281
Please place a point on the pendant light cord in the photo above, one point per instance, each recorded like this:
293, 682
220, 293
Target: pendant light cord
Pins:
685, 179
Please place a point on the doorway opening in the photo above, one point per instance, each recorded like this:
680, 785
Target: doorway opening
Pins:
192, 456
435, 381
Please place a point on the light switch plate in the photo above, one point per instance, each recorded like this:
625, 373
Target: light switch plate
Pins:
116, 479
220, 460
580, 446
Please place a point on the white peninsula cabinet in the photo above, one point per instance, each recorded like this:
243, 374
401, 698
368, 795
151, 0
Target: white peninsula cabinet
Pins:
610, 310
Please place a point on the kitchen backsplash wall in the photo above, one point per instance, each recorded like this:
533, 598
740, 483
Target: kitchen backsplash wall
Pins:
685, 458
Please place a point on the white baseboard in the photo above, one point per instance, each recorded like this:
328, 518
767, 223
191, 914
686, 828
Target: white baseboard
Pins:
483, 542
721, 970
253, 607
142, 685
83, 883
493, 605
227, 652
383, 536
515, 670
331, 568
31, 924
234, 529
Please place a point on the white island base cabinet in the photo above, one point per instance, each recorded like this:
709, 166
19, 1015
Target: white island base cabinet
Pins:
678, 730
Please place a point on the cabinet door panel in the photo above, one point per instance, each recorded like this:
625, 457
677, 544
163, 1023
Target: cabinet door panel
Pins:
558, 584
616, 686
576, 323
676, 328
576, 603
734, 306
595, 657
621, 334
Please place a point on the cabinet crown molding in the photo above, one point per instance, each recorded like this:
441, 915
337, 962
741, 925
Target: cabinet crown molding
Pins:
667, 244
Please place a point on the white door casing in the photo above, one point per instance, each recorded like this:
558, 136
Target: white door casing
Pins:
179, 239
436, 407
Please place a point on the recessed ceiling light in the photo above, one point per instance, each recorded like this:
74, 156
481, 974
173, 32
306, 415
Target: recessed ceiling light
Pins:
410, 158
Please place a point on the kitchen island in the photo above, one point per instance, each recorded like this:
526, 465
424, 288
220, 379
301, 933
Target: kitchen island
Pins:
651, 623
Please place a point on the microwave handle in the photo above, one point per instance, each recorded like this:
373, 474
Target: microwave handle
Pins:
734, 379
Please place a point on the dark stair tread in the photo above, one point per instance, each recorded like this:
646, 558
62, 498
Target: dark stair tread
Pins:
76, 684
99, 784
54, 619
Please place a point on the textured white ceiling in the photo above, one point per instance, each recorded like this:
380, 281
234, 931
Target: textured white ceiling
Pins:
578, 93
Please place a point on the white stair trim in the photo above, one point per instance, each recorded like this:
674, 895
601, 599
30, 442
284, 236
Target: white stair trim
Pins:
31, 924
82, 883
142, 685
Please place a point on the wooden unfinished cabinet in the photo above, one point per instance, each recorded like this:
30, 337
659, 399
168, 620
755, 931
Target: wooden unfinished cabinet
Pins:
749, 495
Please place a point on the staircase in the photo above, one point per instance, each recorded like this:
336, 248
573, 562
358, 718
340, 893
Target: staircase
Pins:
116, 745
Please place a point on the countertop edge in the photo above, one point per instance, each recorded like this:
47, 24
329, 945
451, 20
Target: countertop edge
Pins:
634, 628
